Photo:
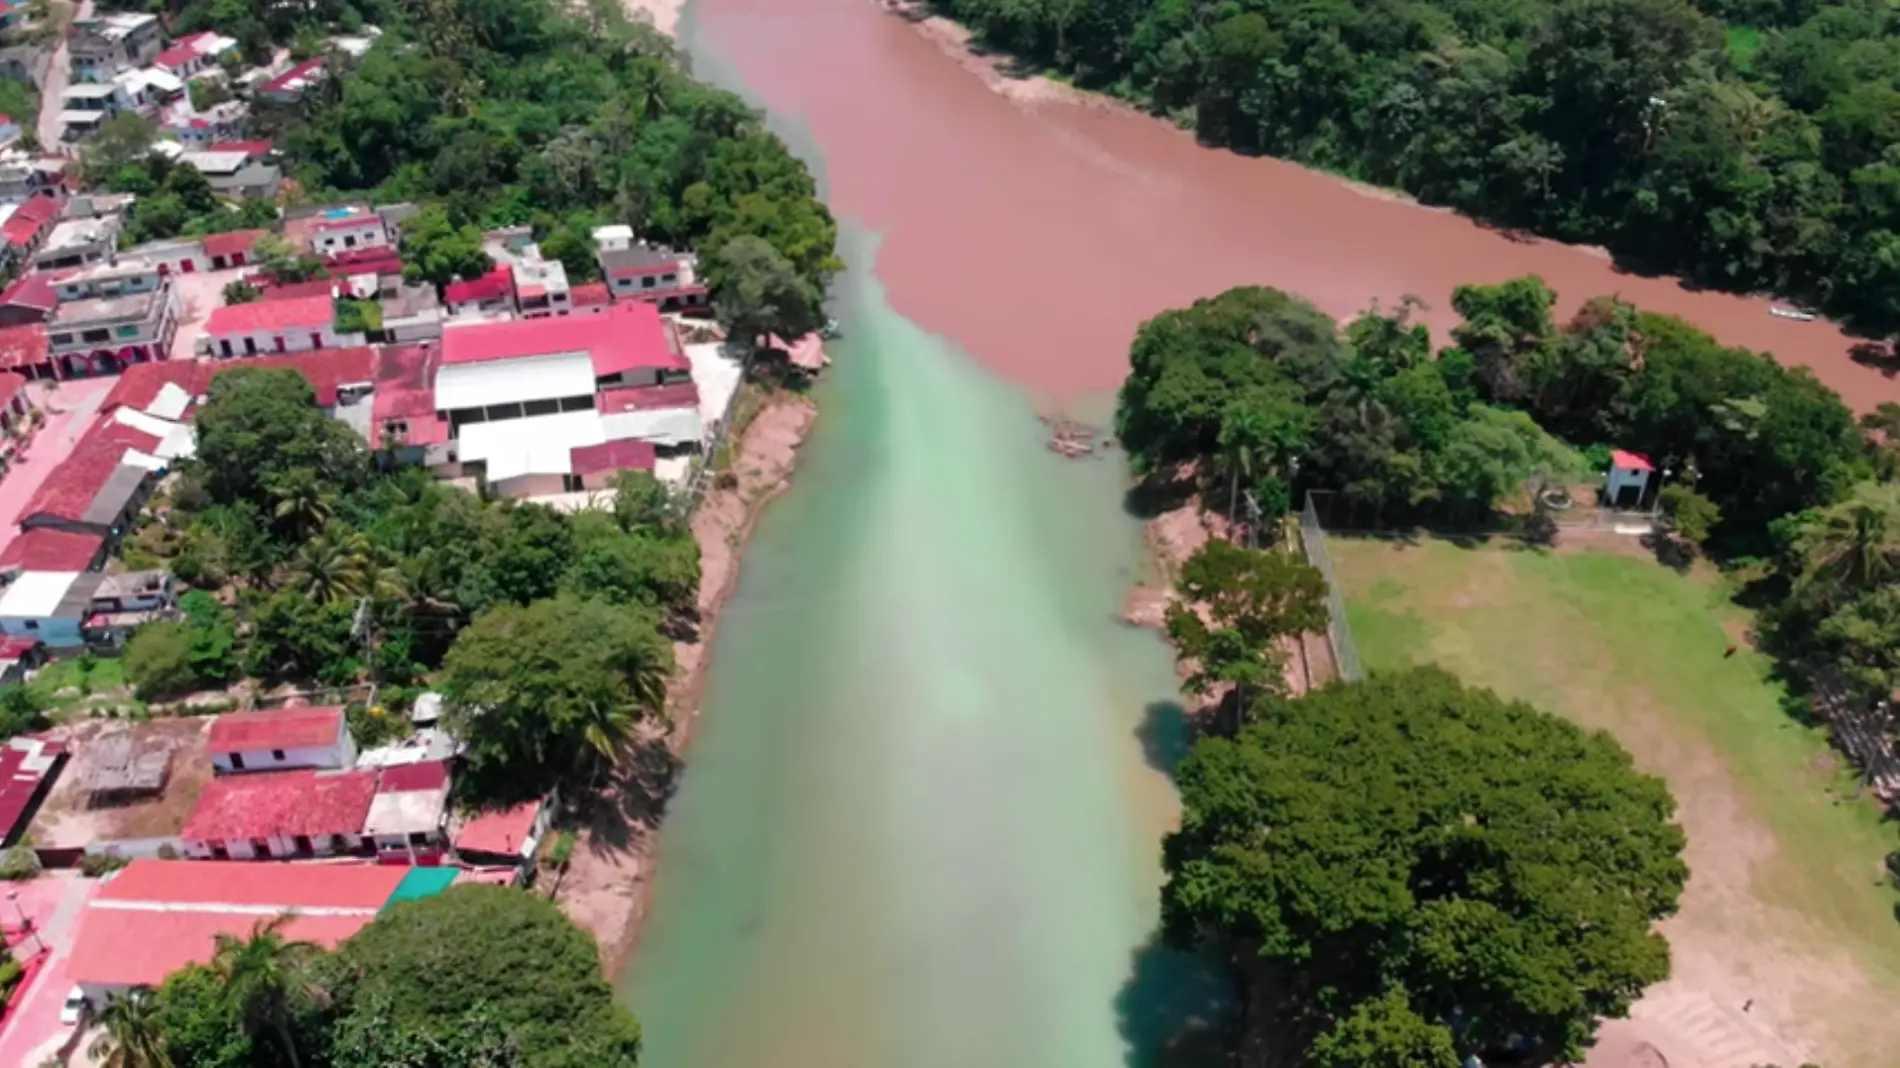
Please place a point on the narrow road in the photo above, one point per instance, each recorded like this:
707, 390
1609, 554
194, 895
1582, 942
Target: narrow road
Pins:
59, 74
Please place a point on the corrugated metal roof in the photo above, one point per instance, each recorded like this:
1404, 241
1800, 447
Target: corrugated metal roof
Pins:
512, 381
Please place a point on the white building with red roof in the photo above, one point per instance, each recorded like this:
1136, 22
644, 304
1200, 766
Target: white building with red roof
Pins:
280, 814
275, 326
522, 397
193, 53
275, 739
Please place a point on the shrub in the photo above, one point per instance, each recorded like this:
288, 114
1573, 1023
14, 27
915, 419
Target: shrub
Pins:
158, 660
94, 865
19, 864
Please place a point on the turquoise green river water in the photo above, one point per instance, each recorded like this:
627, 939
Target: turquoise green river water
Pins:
920, 817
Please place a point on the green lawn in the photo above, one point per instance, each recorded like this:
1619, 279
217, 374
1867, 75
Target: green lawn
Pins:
107, 677
1614, 640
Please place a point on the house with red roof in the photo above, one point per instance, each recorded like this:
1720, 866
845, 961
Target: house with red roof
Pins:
347, 228
28, 765
193, 53
154, 916
230, 249
48, 549
275, 326
503, 836
290, 86
280, 738
1629, 478
492, 294
24, 229
590, 298
29, 298
280, 814
24, 350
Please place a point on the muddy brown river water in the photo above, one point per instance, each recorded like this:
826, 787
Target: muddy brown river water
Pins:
1038, 237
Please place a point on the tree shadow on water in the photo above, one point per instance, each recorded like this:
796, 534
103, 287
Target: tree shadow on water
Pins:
1164, 735
1175, 1010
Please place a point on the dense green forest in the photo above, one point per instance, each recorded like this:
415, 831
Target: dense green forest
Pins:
1745, 144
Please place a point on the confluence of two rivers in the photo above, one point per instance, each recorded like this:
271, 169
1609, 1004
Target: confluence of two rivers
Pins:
920, 820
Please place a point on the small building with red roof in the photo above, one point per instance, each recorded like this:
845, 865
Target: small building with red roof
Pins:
100, 486
28, 765
590, 298
403, 418
24, 349
29, 298
280, 814
276, 326
289, 87
231, 248
154, 916
490, 294
502, 836
279, 738
27, 225
1629, 479
46, 549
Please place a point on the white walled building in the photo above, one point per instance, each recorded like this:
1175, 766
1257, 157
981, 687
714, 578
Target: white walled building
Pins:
281, 738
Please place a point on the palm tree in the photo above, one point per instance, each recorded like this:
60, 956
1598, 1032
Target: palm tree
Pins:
333, 566
129, 1036
304, 501
1854, 545
266, 977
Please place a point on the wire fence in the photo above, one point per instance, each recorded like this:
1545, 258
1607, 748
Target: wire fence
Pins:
1338, 630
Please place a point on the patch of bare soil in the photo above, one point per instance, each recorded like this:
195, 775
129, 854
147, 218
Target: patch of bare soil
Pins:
609, 878
998, 72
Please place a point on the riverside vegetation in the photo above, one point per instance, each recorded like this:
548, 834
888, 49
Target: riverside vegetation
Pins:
1744, 144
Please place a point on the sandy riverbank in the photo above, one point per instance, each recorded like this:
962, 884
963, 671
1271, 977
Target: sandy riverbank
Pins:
610, 875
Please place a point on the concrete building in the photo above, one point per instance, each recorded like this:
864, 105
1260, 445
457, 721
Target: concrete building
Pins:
656, 275
489, 297
278, 739
235, 174
503, 837
77, 242
102, 335
59, 607
194, 53
104, 45
408, 817
349, 227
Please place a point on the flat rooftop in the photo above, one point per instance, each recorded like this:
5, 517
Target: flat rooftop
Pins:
94, 309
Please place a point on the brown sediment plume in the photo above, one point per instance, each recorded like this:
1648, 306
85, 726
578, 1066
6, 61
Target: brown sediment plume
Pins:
1039, 228
609, 879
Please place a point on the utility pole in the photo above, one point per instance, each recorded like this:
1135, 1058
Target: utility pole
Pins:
361, 627
1253, 520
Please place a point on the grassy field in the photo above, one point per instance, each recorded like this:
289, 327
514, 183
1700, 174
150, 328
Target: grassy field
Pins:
1785, 856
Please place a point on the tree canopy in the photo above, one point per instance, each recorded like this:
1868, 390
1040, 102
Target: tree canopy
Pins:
1406, 856
1749, 146
532, 690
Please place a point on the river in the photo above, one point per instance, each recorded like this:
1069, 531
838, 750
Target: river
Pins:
920, 820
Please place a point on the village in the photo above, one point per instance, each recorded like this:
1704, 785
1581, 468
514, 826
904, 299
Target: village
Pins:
133, 840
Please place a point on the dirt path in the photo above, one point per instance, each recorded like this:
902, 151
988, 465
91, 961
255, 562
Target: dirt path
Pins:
610, 875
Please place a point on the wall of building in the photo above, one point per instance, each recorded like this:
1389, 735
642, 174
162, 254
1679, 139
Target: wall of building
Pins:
56, 632
367, 234
338, 754
265, 342
280, 846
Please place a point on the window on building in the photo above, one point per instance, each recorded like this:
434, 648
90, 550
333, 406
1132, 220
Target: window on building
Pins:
646, 281
95, 335
418, 837
237, 761
32, 625
277, 755
62, 339
129, 331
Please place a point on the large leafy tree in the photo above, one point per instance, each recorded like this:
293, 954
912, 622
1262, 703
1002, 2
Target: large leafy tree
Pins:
1406, 853
260, 430
533, 690
482, 971
760, 291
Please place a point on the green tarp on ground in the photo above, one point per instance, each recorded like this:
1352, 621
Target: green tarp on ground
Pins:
422, 882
